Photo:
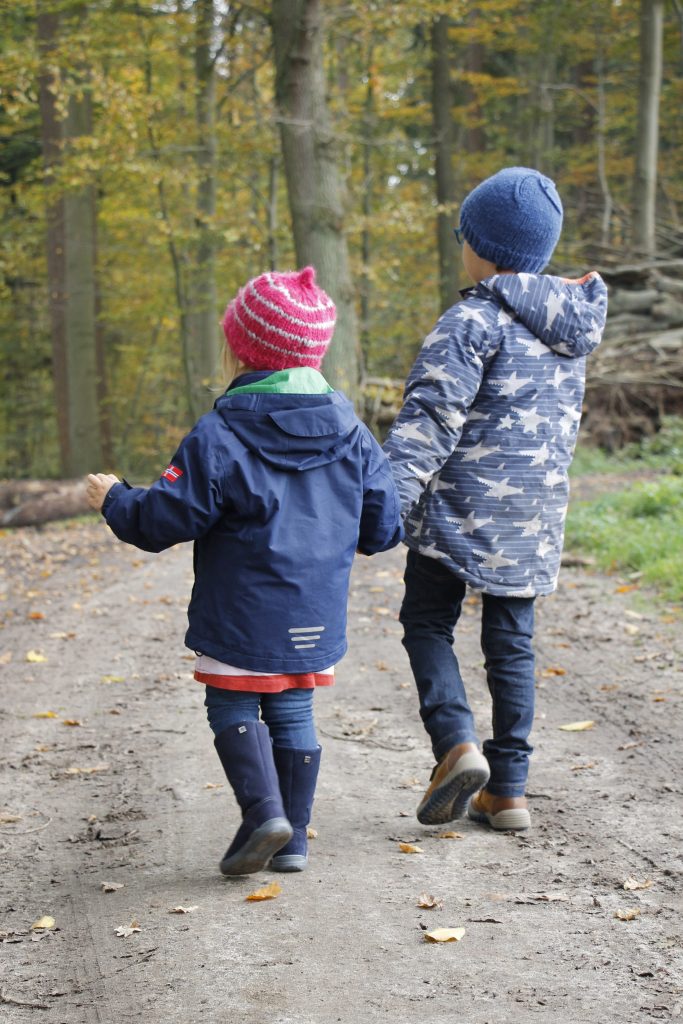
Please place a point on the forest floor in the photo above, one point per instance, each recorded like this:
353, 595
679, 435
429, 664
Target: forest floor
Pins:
108, 775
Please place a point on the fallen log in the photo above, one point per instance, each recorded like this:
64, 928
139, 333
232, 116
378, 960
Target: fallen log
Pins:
32, 502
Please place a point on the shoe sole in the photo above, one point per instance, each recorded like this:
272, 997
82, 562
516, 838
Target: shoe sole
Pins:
515, 819
450, 800
261, 845
289, 862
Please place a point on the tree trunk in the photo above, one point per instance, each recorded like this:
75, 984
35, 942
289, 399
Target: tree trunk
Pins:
449, 250
51, 137
201, 336
315, 187
85, 448
647, 135
30, 502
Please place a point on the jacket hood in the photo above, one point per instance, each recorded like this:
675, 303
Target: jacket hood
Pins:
566, 315
291, 431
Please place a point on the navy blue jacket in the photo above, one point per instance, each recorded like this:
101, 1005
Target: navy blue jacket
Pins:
277, 490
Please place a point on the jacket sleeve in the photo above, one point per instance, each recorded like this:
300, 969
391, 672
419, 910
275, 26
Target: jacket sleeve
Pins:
380, 524
439, 393
181, 505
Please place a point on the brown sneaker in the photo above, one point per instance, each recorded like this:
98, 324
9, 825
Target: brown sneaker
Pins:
503, 813
459, 774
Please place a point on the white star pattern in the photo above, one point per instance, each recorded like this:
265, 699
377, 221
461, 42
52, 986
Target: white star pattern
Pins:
524, 281
554, 477
504, 317
534, 347
412, 432
434, 337
423, 477
539, 456
511, 385
470, 523
544, 548
558, 377
554, 306
499, 488
532, 527
437, 373
431, 551
477, 452
452, 418
507, 422
494, 559
468, 313
530, 419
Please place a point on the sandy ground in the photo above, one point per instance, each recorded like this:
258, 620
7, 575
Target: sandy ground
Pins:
120, 784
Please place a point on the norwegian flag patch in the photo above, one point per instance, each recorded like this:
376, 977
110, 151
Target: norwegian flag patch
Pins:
172, 473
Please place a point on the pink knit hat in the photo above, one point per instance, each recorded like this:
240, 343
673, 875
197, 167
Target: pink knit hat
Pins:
280, 320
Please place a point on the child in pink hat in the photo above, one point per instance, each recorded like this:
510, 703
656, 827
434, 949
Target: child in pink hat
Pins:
277, 486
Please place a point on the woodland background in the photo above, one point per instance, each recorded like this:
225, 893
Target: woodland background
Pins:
156, 155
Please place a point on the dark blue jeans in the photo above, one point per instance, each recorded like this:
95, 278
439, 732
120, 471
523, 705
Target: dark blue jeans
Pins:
288, 715
429, 613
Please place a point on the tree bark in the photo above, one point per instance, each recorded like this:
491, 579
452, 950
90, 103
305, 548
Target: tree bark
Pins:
315, 188
51, 137
201, 335
647, 135
448, 248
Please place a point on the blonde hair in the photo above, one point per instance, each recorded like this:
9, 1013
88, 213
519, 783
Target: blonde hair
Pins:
231, 364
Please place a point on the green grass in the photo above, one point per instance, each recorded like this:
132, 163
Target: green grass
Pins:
662, 451
639, 530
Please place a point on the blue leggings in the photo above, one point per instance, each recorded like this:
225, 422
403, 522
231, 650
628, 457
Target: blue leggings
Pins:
288, 715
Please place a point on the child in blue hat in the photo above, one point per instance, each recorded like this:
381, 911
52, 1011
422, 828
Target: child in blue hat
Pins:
480, 453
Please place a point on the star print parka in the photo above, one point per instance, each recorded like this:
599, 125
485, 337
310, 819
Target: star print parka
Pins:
481, 448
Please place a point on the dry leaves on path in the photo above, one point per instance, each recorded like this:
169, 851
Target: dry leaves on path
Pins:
111, 886
35, 657
444, 935
429, 902
183, 910
124, 930
632, 884
267, 892
409, 848
626, 915
577, 726
450, 835
46, 922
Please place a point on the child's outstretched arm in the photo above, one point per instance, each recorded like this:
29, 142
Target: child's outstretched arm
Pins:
439, 392
181, 505
381, 526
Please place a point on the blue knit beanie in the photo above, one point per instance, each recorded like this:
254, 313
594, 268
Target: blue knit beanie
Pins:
513, 219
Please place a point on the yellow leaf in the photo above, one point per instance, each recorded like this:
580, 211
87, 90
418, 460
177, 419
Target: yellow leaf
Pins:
214, 785
71, 721
43, 922
627, 915
631, 884
46, 714
409, 848
113, 679
450, 835
36, 616
267, 892
86, 770
547, 672
445, 935
577, 726
428, 902
35, 657
311, 833
626, 588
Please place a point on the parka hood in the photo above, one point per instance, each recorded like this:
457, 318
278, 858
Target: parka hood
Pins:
566, 315
289, 428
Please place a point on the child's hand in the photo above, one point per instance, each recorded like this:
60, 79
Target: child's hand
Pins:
98, 487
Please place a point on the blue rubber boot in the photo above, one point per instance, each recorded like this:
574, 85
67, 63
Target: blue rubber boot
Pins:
246, 753
298, 773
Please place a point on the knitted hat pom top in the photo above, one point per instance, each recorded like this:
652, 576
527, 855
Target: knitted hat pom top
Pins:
513, 219
280, 320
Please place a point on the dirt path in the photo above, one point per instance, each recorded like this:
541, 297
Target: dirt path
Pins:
132, 795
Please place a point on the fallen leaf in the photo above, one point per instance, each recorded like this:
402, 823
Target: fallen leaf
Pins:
311, 833
124, 930
581, 767
6, 658
46, 714
444, 935
214, 785
450, 835
62, 636
35, 657
113, 679
627, 915
71, 721
9, 819
43, 922
86, 769
631, 884
42, 748
36, 616
428, 902
182, 910
111, 886
577, 726
547, 672
631, 629
631, 745
382, 611
267, 892
626, 588
609, 687
409, 848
